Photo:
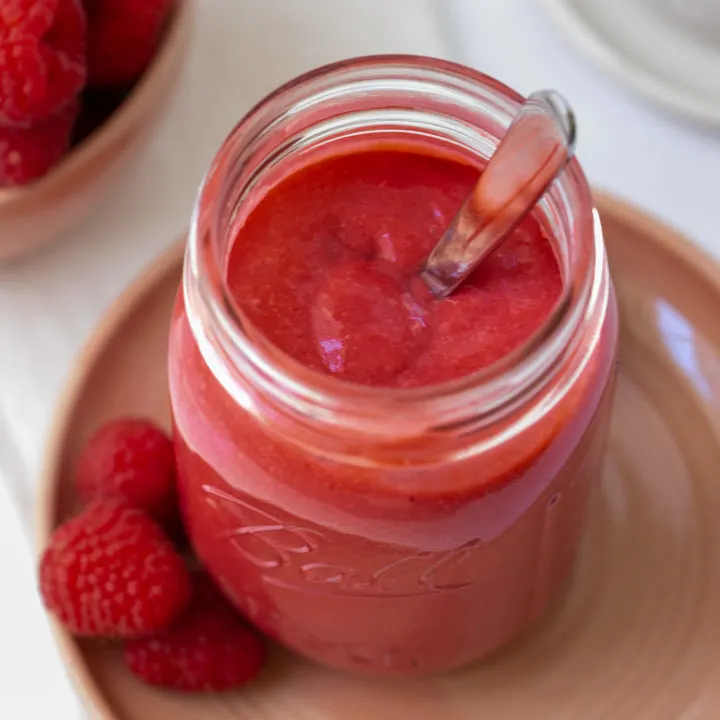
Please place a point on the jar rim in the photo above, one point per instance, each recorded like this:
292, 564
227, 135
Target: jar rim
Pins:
225, 337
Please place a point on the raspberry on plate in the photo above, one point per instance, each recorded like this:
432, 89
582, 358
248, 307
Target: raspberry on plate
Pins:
123, 36
130, 459
27, 154
42, 58
210, 649
111, 572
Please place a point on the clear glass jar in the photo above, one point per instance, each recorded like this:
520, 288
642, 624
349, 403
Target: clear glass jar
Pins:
382, 530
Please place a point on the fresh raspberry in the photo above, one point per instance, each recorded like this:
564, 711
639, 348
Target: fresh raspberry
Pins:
112, 572
42, 58
123, 37
134, 460
26, 154
210, 649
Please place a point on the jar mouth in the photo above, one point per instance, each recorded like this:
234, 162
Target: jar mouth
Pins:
428, 97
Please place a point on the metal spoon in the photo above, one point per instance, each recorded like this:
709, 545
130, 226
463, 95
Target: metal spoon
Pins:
535, 149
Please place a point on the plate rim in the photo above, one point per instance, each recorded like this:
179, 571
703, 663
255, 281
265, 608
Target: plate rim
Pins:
95, 702
588, 41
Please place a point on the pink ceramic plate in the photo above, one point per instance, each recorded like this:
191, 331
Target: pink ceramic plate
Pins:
637, 634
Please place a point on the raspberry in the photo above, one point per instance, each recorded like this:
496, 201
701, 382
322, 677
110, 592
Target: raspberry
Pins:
42, 58
134, 460
123, 37
210, 649
112, 572
26, 154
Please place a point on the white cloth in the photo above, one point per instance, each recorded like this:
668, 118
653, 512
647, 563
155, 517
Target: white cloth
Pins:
50, 302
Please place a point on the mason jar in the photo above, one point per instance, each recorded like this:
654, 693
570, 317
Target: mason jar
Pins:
384, 530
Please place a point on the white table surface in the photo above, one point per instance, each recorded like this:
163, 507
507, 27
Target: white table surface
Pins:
49, 303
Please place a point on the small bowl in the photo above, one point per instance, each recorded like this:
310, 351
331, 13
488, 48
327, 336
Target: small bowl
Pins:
34, 215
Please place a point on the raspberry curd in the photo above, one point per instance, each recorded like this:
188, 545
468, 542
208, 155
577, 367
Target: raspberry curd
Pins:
326, 266
352, 501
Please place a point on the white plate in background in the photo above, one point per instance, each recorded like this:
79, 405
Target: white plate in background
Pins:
667, 50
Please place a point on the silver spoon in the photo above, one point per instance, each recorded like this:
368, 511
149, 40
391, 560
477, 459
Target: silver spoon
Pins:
535, 149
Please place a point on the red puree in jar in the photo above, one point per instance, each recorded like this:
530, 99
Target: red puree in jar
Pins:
326, 267
390, 569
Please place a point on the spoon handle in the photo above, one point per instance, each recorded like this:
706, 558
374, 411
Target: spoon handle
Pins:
534, 150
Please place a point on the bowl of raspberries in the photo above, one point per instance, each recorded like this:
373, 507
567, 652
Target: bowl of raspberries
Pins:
81, 84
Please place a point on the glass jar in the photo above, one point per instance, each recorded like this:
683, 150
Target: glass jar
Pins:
386, 531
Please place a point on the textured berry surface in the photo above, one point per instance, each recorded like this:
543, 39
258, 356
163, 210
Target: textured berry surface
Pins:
26, 154
130, 459
360, 305
111, 572
123, 37
345, 302
42, 58
210, 649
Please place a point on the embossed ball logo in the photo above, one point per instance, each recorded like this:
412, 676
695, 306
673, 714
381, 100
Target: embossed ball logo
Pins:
303, 557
